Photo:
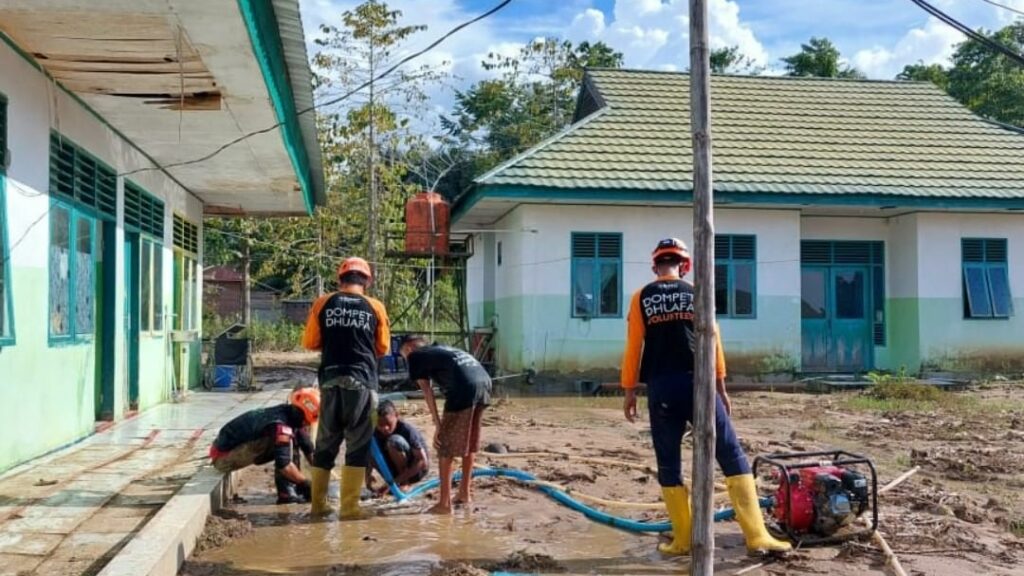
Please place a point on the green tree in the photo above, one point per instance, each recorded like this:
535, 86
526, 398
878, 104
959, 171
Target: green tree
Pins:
819, 57
921, 72
988, 82
533, 97
729, 60
363, 130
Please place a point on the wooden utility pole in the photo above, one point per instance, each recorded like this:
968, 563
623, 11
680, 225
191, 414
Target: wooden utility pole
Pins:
702, 555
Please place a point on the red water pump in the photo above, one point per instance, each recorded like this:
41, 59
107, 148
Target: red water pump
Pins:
820, 494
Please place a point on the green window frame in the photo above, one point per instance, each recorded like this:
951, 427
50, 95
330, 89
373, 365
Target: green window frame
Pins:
73, 244
985, 279
151, 298
736, 276
144, 213
7, 332
186, 289
596, 275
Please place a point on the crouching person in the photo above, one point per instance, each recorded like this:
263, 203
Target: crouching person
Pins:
278, 433
467, 392
404, 450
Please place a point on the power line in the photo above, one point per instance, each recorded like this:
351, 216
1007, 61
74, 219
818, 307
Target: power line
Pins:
1004, 7
967, 31
332, 101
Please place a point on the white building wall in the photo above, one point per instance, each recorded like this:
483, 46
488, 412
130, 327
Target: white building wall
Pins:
948, 340
44, 382
536, 329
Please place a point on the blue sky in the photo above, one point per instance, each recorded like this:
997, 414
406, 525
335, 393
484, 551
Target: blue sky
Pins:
876, 36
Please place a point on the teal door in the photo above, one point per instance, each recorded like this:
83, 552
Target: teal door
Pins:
836, 323
131, 317
108, 291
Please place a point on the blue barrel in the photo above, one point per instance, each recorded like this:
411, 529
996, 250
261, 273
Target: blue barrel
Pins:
223, 376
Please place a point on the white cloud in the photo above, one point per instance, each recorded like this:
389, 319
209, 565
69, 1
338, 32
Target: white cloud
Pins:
589, 24
932, 43
1005, 16
655, 33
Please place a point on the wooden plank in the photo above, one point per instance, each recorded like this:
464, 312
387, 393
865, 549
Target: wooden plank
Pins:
134, 83
138, 65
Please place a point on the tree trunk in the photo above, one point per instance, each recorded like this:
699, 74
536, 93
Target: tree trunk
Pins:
703, 539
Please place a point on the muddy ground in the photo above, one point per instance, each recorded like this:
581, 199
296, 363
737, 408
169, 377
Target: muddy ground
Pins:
963, 513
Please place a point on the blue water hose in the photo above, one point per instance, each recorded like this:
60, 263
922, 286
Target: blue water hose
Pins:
553, 493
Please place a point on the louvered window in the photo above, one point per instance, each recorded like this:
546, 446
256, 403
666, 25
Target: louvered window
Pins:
986, 278
735, 275
870, 254
186, 235
78, 177
143, 212
596, 275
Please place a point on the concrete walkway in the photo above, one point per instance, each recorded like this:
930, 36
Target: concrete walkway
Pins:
70, 512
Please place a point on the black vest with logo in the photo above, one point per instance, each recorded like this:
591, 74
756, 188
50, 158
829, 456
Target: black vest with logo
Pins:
348, 329
667, 310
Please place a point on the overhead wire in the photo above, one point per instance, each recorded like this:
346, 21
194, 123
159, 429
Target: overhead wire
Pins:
1004, 7
967, 31
308, 109
329, 102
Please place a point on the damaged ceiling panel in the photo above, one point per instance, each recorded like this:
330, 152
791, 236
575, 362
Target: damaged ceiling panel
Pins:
180, 78
135, 55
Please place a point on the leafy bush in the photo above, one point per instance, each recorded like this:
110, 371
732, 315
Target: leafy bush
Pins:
281, 336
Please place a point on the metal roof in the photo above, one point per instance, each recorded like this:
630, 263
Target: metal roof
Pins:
776, 135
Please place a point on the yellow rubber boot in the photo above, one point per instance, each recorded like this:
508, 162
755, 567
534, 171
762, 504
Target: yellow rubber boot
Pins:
319, 481
677, 501
352, 479
743, 494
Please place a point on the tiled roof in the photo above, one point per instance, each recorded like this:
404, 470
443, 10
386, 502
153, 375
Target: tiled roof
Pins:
779, 135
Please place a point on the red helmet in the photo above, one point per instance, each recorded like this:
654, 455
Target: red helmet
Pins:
308, 401
670, 247
355, 264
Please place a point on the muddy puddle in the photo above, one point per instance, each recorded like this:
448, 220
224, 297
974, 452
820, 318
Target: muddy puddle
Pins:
509, 524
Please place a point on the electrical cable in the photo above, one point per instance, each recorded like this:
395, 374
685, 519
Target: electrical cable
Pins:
1004, 7
967, 31
331, 101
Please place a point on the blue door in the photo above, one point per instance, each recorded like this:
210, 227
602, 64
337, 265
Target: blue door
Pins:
836, 323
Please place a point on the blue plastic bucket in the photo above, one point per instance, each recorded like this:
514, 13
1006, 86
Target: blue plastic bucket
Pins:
223, 376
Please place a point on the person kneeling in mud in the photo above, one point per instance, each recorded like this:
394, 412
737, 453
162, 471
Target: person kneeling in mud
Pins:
467, 392
277, 434
403, 447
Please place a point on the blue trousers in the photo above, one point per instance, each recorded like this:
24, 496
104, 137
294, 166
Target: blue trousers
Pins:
670, 405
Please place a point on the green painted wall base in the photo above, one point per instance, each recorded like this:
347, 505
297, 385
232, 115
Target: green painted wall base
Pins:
48, 392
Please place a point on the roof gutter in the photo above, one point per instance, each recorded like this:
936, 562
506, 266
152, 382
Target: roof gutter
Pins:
265, 36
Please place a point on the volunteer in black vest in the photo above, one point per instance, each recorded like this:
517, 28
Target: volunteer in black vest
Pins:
467, 392
278, 433
660, 353
351, 331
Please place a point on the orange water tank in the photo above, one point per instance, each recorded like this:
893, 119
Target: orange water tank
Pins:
426, 224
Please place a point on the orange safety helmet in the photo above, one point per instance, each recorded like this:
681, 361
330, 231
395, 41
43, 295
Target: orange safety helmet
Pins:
355, 264
670, 247
308, 401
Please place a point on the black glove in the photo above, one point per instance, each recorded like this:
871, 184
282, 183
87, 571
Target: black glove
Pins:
304, 489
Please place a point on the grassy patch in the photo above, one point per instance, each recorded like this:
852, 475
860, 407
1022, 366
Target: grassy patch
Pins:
898, 395
1017, 527
903, 390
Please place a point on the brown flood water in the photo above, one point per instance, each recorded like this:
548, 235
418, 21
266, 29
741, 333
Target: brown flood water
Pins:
506, 518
